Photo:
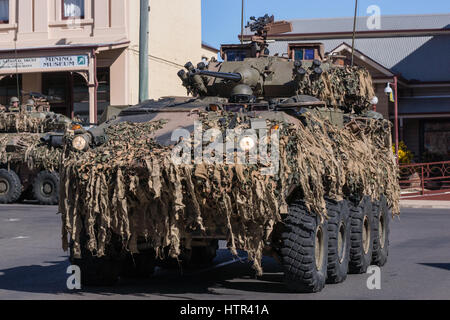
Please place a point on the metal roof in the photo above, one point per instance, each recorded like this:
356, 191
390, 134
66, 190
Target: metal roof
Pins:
415, 57
420, 58
388, 22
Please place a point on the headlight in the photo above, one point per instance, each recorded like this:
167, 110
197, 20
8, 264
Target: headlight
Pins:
80, 143
247, 143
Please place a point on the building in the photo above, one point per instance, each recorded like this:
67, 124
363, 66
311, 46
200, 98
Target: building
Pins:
84, 54
414, 49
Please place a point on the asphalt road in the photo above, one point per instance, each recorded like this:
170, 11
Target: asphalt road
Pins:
33, 266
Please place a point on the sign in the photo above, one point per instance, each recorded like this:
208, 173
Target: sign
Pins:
53, 62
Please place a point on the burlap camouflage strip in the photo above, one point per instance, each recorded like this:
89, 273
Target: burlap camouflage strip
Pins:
339, 87
28, 150
30, 122
130, 187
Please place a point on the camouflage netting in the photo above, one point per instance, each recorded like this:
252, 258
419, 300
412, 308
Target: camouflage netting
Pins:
339, 87
30, 122
28, 150
134, 190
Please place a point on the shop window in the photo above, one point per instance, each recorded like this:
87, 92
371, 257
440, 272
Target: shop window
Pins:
73, 9
436, 140
81, 94
4, 11
8, 89
236, 55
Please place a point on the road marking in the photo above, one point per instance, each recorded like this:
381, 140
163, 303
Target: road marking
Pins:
20, 237
12, 220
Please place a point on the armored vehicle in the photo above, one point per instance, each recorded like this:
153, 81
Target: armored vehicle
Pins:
276, 156
28, 165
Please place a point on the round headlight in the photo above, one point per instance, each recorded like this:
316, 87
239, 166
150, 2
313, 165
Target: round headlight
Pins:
80, 143
247, 143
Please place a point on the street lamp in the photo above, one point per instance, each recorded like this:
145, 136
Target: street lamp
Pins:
388, 90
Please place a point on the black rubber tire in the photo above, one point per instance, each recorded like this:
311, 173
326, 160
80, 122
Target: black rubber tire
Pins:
12, 186
339, 225
140, 266
382, 217
97, 271
302, 271
361, 237
204, 256
104, 271
46, 180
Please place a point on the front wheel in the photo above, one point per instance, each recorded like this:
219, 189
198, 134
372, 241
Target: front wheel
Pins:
140, 265
304, 250
10, 186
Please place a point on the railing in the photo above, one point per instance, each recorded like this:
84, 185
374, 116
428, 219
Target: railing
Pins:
425, 178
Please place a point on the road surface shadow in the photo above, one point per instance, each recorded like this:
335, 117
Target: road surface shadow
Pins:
52, 278
445, 266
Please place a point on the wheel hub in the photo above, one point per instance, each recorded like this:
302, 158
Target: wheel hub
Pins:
4, 186
366, 235
47, 188
319, 250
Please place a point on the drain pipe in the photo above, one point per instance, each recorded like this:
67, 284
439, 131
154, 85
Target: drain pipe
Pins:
143, 50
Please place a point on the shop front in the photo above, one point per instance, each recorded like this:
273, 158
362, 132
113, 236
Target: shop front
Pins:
69, 78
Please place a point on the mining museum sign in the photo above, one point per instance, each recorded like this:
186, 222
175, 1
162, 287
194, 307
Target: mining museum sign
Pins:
53, 62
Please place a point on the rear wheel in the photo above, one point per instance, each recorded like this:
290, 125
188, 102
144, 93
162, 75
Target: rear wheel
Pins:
381, 232
361, 236
304, 250
10, 186
46, 188
338, 240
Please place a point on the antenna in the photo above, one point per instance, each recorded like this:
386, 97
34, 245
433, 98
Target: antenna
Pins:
354, 30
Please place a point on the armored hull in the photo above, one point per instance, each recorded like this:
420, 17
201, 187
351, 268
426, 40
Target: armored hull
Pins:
276, 157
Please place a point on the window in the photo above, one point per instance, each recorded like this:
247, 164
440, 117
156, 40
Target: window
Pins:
304, 54
236, 55
437, 140
4, 11
298, 54
73, 9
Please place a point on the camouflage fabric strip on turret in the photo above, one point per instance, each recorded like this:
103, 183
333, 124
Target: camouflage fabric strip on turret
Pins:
130, 187
339, 87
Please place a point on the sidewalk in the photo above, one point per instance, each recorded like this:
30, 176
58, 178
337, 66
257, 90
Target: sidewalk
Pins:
425, 204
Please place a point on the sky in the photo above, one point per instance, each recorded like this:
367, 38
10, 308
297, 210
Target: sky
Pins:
221, 19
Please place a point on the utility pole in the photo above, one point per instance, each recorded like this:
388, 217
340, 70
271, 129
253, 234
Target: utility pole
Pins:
354, 29
242, 23
143, 50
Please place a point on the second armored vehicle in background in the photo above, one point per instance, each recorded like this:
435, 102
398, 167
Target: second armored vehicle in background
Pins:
28, 165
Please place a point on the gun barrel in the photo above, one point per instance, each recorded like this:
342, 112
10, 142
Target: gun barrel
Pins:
223, 75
